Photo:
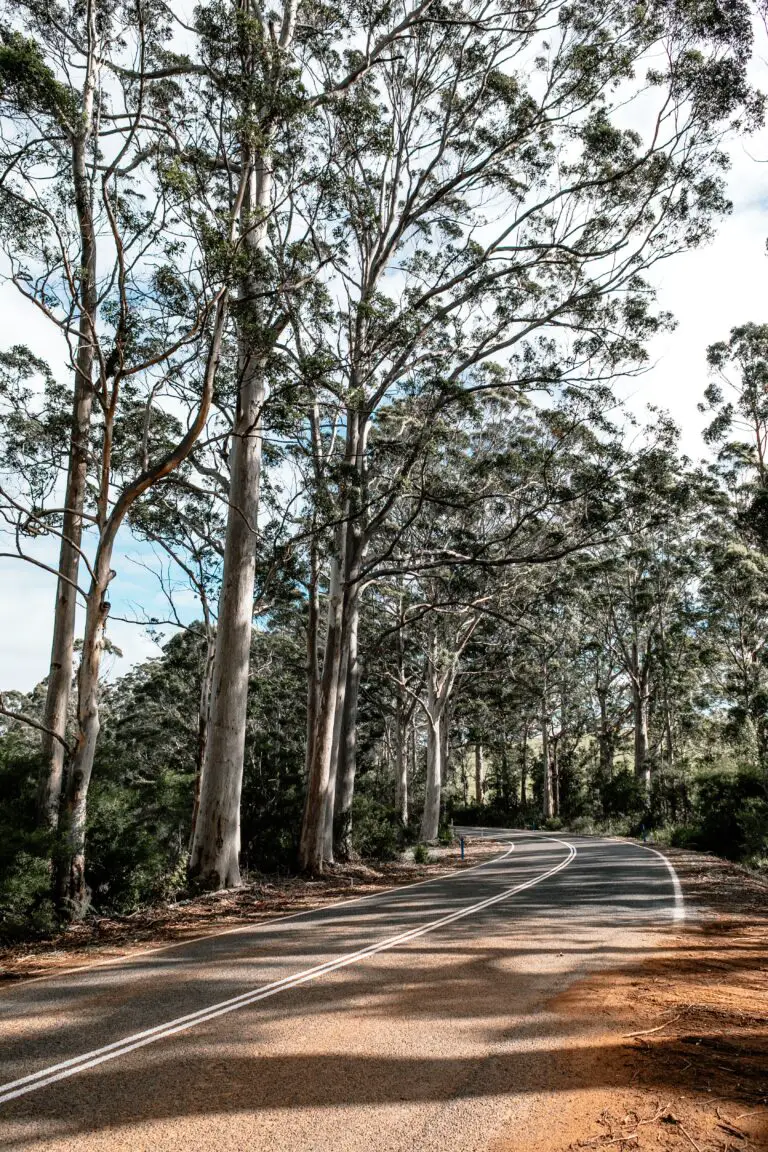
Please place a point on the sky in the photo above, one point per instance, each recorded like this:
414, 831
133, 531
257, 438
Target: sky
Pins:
709, 291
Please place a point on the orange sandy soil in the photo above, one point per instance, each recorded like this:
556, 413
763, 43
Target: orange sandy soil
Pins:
264, 897
674, 1053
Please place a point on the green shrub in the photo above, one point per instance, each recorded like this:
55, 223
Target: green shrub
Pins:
583, 826
684, 836
731, 816
421, 854
623, 795
445, 835
26, 908
377, 832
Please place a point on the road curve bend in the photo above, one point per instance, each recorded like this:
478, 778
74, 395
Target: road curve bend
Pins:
398, 1020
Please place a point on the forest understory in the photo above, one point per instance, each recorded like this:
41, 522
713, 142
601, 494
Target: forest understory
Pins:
677, 1042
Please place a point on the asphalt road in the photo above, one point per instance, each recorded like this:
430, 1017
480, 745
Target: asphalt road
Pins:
411, 1019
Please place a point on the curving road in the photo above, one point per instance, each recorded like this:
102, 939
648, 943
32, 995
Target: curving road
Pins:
412, 1019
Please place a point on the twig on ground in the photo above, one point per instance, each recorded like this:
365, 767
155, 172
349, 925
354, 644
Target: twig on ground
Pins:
648, 1031
654, 1119
601, 1142
688, 1137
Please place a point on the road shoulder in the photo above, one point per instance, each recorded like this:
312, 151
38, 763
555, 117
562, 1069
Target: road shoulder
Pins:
670, 1050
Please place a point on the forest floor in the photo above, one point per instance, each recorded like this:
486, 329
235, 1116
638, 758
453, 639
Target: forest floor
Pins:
105, 938
678, 1042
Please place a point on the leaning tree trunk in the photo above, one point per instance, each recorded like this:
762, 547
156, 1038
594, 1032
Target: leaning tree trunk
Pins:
214, 859
63, 643
71, 890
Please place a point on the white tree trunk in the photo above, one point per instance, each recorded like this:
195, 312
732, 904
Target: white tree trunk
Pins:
312, 844
60, 673
214, 859
401, 763
338, 720
430, 822
640, 724
316, 844
72, 893
549, 800
203, 715
347, 769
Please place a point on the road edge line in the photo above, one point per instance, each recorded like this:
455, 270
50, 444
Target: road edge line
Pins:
37, 1080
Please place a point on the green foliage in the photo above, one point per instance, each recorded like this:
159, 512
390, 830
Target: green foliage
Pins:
377, 832
622, 795
28, 83
730, 817
26, 908
421, 854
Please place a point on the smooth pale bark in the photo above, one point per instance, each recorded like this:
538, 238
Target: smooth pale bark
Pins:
214, 858
430, 822
338, 720
401, 762
639, 676
479, 774
605, 739
313, 663
203, 715
669, 743
445, 728
60, 672
312, 843
413, 751
345, 778
640, 725
555, 773
502, 776
71, 890
316, 843
549, 808
72, 895
524, 768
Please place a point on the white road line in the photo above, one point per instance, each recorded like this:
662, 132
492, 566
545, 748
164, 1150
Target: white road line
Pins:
251, 926
678, 908
56, 1072
677, 911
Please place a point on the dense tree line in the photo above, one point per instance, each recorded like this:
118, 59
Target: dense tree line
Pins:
335, 298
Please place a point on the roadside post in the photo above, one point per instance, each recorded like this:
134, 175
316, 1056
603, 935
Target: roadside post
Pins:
461, 842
